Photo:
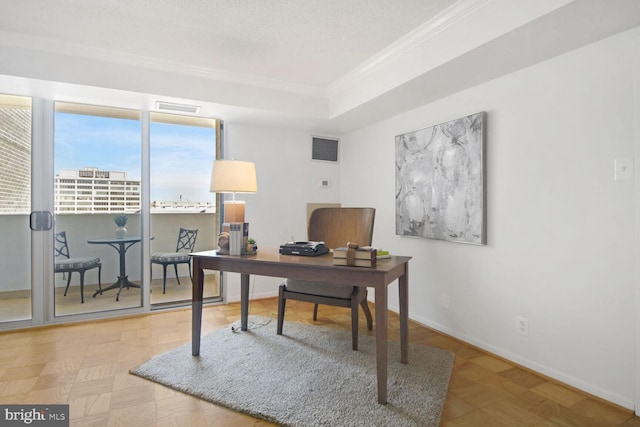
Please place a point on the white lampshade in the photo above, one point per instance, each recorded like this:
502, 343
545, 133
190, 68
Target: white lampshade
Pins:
233, 176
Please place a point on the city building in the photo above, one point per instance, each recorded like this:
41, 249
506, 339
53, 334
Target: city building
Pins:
91, 190
182, 206
15, 153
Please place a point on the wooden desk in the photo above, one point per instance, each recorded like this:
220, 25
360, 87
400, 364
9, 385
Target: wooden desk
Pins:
319, 269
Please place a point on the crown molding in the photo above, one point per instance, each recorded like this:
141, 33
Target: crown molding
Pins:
445, 19
450, 16
56, 46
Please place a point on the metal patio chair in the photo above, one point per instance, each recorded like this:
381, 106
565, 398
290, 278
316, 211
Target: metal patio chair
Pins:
67, 265
186, 243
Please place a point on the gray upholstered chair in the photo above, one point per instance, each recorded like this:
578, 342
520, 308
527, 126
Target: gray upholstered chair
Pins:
65, 264
186, 243
335, 227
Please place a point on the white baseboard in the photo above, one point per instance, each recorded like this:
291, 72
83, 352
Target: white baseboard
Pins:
529, 364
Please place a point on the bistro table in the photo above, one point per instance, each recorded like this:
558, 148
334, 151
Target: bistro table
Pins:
121, 245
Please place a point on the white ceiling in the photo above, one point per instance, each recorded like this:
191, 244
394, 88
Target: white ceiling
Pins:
309, 42
331, 65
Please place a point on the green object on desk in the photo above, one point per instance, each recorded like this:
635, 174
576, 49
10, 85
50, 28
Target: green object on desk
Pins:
380, 254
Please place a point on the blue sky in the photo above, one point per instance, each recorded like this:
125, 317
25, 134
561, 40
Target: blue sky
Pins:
181, 156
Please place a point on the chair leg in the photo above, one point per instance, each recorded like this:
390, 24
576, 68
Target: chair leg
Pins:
190, 275
175, 267
68, 281
164, 278
354, 323
315, 312
81, 287
99, 291
367, 313
100, 278
282, 302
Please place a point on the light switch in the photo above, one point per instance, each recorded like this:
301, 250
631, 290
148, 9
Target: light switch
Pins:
623, 169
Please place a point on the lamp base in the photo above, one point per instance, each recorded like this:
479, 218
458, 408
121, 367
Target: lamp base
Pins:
234, 211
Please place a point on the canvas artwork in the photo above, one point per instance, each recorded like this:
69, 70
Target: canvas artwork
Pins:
440, 181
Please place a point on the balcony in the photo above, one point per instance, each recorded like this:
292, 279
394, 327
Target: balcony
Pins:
15, 287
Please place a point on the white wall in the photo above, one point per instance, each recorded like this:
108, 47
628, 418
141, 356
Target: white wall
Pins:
287, 180
562, 233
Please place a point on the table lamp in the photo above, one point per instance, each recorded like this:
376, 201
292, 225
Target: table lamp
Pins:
233, 176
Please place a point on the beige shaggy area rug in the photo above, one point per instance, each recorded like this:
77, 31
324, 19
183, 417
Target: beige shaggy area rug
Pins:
307, 377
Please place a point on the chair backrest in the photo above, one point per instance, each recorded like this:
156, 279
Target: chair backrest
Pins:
338, 226
60, 245
186, 240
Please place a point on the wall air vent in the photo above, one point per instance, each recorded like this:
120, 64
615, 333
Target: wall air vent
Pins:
181, 108
324, 149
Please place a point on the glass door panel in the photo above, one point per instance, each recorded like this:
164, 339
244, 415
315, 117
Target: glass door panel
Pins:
182, 151
97, 166
15, 207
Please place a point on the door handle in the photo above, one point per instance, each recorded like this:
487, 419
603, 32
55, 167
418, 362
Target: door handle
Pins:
40, 220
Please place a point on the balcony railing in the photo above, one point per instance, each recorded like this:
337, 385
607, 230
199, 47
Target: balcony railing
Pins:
15, 250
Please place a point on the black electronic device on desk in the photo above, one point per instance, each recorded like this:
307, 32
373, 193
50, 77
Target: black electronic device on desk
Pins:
304, 248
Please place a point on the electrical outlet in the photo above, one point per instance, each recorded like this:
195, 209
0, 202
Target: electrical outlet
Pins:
522, 325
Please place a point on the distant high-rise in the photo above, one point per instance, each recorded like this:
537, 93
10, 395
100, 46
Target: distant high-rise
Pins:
91, 190
15, 160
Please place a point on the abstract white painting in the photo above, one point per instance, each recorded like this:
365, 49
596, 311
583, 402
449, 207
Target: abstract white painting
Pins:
440, 181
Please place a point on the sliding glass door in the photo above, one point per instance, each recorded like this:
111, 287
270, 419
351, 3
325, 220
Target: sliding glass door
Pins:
182, 151
68, 173
97, 185
15, 208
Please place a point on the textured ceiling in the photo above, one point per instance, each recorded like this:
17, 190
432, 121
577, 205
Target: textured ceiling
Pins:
330, 66
310, 42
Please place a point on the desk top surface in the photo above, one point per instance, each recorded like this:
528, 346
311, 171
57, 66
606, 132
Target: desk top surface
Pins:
271, 256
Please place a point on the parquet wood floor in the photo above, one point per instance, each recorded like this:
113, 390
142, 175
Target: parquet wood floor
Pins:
87, 366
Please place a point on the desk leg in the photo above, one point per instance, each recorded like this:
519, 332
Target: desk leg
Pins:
381, 342
196, 308
403, 290
244, 301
